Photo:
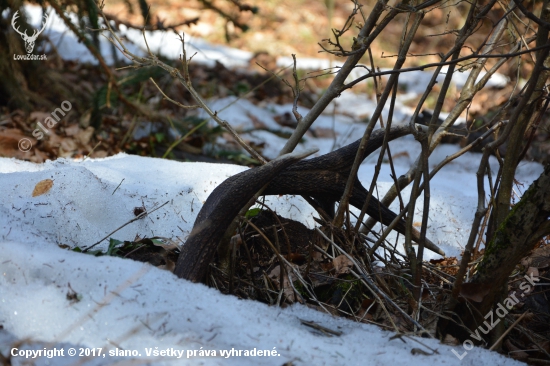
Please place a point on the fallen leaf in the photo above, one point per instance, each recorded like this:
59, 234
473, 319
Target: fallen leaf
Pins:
39, 116
342, 264
42, 187
72, 130
14, 143
515, 352
449, 339
84, 136
288, 291
474, 291
533, 272
367, 303
540, 258
68, 144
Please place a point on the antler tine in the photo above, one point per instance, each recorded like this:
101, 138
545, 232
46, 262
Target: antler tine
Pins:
44, 23
37, 32
15, 16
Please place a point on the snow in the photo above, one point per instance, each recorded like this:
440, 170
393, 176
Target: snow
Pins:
165, 43
134, 306
168, 44
127, 305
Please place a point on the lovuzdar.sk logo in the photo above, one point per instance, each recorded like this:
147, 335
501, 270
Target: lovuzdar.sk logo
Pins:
29, 40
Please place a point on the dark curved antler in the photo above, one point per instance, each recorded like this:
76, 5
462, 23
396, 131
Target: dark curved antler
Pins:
323, 178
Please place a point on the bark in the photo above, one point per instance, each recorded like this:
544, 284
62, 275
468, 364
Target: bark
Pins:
527, 222
514, 238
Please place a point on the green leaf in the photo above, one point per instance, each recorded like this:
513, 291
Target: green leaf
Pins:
113, 243
159, 136
253, 212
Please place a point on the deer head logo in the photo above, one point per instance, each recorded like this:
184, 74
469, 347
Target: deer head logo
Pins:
29, 40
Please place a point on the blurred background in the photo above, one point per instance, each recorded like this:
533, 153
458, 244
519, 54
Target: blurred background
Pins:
242, 49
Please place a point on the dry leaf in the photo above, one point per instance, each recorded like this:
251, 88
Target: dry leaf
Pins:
474, 291
533, 272
68, 145
515, 352
42, 187
318, 257
166, 243
10, 143
84, 136
540, 258
342, 264
72, 130
295, 257
100, 154
288, 291
327, 267
39, 116
449, 339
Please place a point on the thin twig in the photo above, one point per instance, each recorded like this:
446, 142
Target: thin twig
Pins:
140, 216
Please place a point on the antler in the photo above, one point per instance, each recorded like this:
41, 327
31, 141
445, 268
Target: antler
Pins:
15, 16
25, 35
43, 25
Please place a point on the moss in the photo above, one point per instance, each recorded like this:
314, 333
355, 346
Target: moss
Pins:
301, 289
499, 240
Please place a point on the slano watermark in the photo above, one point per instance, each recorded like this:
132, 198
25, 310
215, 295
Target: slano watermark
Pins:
501, 311
25, 144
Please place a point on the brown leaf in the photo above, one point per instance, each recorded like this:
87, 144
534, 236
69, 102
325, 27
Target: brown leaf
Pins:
474, 291
288, 291
42, 187
540, 258
10, 140
534, 273
68, 144
295, 257
39, 116
449, 339
327, 267
515, 352
72, 130
342, 264
166, 243
366, 303
318, 257
99, 154
84, 136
